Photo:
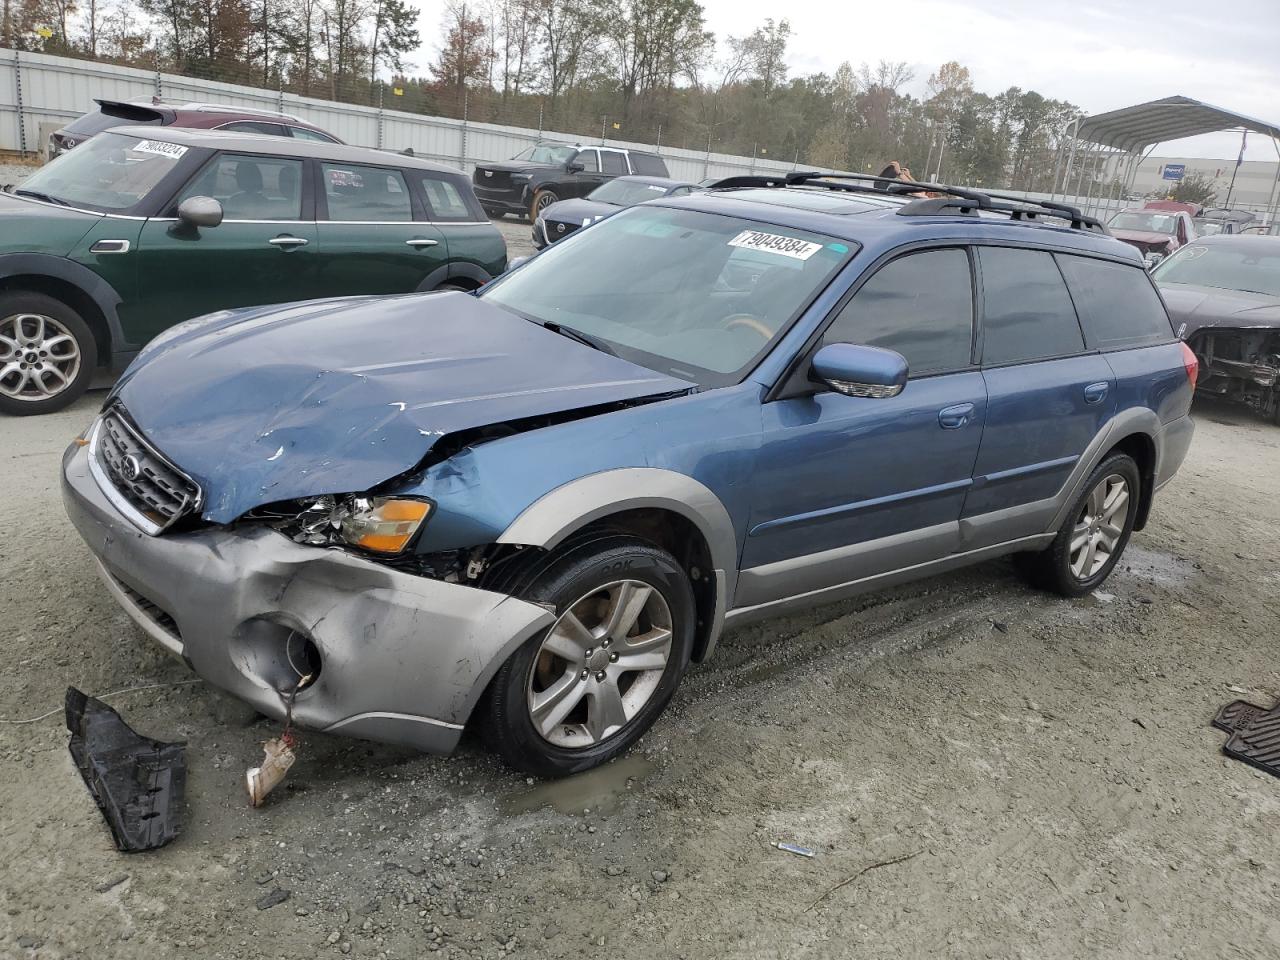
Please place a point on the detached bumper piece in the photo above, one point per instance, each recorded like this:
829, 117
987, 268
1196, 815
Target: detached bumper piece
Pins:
138, 783
1254, 734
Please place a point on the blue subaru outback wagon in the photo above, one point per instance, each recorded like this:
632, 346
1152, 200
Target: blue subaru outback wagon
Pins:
530, 509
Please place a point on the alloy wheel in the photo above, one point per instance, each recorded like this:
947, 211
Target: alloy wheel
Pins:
600, 663
39, 357
1099, 527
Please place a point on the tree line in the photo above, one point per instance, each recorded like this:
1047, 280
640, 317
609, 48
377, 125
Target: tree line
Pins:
645, 71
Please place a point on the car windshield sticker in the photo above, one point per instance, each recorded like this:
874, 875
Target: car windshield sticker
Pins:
173, 151
773, 243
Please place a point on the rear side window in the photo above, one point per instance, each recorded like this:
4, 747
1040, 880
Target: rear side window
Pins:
256, 126
371, 194
648, 164
1027, 313
1117, 304
302, 133
920, 305
612, 162
444, 199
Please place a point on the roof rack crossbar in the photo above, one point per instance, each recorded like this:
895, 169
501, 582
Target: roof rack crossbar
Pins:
961, 200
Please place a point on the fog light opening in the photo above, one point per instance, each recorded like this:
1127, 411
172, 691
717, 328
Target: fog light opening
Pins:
304, 660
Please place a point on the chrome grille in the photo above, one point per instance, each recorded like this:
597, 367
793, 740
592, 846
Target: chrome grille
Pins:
151, 491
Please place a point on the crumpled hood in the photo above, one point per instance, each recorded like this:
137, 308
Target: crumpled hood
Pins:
576, 211
337, 396
1145, 239
1199, 307
30, 227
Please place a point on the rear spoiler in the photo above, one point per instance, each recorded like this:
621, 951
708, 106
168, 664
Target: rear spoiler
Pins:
135, 112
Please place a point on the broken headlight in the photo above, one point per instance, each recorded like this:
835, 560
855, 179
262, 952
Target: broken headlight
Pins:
378, 524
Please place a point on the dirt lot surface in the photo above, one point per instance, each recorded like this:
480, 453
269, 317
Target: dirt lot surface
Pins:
1046, 768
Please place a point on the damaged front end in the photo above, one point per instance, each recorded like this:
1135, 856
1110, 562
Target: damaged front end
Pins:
1242, 365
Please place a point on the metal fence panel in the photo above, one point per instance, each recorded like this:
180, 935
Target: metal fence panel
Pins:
59, 89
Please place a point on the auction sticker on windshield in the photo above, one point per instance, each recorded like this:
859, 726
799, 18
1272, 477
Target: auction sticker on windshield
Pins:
774, 243
174, 151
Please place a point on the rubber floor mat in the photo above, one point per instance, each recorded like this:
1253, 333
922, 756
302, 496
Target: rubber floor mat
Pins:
1254, 734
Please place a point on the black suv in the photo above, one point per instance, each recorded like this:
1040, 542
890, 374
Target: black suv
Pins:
536, 178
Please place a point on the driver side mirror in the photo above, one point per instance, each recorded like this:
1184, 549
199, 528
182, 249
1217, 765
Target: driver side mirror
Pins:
859, 371
198, 212
575, 167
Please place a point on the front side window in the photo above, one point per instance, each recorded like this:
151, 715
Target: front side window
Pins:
613, 162
920, 305
251, 187
588, 160
1251, 266
696, 295
111, 172
369, 194
302, 133
1117, 304
1027, 312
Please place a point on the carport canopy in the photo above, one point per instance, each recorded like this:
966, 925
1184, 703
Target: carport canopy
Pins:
1132, 129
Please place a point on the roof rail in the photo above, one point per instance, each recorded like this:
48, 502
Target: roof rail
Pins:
954, 201
231, 108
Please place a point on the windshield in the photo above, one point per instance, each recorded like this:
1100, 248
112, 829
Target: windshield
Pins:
624, 193
694, 295
1252, 268
110, 172
1207, 228
1146, 222
546, 153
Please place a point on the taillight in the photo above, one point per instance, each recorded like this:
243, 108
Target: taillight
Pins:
1192, 363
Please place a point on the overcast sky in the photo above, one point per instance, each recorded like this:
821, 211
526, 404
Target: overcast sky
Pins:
1098, 54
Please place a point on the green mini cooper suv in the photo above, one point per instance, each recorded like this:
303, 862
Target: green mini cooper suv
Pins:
140, 229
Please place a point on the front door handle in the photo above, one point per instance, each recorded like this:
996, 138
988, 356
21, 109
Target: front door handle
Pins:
955, 417
1096, 392
421, 243
287, 242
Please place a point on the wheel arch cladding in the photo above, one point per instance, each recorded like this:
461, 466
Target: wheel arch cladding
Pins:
75, 285
1142, 449
74, 297
664, 507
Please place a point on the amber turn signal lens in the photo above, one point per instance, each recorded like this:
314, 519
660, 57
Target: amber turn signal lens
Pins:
386, 525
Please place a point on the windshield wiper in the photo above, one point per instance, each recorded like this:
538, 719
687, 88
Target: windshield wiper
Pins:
583, 338
37, 195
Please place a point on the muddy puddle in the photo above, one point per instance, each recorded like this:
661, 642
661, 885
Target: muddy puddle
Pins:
601, 790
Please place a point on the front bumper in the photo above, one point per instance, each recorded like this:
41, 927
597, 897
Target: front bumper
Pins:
513, 199
404, 659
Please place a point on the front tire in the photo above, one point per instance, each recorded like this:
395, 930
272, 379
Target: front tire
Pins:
585, 690
541, 200
1095, 533
47, 354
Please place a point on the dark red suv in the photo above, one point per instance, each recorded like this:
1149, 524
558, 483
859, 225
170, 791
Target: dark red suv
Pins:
200, 116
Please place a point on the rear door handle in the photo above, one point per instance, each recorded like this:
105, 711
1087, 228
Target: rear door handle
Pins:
421, 243
955, 417
1096, 392
287, 243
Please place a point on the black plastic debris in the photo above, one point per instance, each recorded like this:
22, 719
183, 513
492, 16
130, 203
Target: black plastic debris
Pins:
1254, 734
138, 783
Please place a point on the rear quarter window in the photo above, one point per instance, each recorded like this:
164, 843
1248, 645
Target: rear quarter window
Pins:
649, 165
1027, 313
1117, 304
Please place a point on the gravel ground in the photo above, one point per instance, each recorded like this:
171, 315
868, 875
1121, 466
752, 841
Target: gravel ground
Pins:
1047, 767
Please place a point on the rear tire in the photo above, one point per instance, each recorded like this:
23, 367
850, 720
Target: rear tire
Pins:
48, 354
585, 690
1091, 541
